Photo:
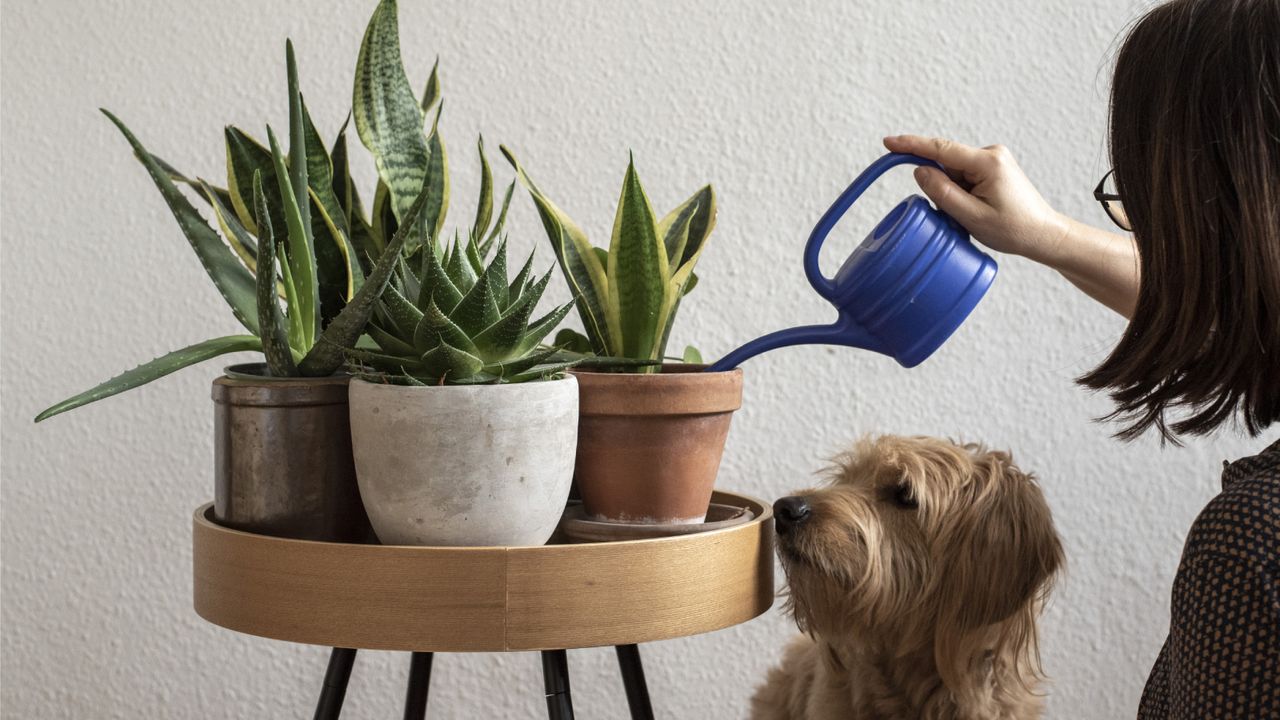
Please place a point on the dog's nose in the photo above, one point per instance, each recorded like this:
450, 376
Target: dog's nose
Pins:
790, 512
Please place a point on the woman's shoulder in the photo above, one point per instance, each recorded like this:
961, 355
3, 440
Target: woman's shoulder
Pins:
1243, 521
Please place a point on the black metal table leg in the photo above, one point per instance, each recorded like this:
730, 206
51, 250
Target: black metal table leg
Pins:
633, 681
415, 701
555, 676
335, 684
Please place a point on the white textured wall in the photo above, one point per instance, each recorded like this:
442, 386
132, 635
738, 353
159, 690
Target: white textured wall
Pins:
778, 104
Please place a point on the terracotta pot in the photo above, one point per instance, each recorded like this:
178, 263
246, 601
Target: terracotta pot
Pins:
649, 445
283, 463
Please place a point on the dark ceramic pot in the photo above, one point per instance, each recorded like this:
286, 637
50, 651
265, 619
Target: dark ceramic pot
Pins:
283, 463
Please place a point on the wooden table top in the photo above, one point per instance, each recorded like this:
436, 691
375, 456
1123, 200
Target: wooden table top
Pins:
487, 599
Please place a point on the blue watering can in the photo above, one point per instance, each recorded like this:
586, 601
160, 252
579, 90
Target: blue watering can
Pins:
901, 293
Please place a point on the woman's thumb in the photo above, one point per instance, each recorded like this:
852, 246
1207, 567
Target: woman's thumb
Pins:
949, 196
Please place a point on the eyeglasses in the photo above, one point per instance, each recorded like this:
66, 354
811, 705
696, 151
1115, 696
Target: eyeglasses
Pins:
1107, 194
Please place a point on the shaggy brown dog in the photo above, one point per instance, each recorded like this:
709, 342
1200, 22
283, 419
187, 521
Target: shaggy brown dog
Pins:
917, 573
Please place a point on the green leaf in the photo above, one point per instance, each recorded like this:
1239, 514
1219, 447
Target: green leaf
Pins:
578, 262
205, 190
480, 378
156, 369
502, 221
478, 309
384, 221
297, 140
685, 231
246, 156
501, 338
389, 343
459, 268
236, 285
520, 364
679, 286
607, 362
691, 284
532, 294
472, 254
437, 181
541, 327
388, 117
573, 341
361, 234
435, 286
700, 213
450, 364
484, 206
320, 178
300, 255
677, 237
327, 354
405, 281
403, 313
275, 343
384, 362
244, 245
336, 265
432, 92
497, 272
540, 372
518, 286
691, 355
435, 328
637, 269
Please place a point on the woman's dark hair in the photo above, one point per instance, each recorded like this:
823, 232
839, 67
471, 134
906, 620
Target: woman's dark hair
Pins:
1195, 143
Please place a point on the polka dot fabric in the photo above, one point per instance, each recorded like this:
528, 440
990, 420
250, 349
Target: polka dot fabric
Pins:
1222, 658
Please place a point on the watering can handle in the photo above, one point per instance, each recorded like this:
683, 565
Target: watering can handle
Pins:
820, 283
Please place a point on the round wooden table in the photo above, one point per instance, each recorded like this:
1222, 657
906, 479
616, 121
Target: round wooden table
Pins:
425, 600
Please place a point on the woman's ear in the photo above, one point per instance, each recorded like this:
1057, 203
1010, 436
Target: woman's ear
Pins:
997, 556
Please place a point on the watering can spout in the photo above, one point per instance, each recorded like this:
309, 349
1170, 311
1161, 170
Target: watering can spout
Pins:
844, 332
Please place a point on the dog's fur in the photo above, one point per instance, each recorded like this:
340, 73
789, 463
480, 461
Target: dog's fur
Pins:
918, 578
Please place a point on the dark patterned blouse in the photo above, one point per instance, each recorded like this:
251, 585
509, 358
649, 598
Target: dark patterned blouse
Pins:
1222, 657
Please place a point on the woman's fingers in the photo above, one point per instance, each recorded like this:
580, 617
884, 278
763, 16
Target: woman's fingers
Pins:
951, 154
950, 197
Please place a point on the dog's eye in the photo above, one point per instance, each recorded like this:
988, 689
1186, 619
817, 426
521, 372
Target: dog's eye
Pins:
904, 497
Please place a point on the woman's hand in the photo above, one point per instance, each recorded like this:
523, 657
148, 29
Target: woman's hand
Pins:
988, 194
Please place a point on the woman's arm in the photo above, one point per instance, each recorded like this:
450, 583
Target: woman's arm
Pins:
1001, 209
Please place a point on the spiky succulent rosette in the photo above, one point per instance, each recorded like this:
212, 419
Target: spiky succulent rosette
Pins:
468, 324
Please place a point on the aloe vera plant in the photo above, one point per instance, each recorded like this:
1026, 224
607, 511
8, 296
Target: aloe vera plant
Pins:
628, 295
287, 236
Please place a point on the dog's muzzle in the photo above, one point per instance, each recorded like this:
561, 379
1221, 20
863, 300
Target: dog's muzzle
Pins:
790, 513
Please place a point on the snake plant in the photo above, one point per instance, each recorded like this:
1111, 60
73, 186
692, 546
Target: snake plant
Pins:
628, 295
286, 235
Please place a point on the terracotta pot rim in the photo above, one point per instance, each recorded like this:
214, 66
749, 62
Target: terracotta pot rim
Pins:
669, 370
681, 393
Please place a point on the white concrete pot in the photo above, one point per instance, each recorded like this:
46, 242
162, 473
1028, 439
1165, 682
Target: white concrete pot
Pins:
465, 464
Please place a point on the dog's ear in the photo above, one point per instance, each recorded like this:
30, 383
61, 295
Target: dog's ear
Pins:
997, 553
